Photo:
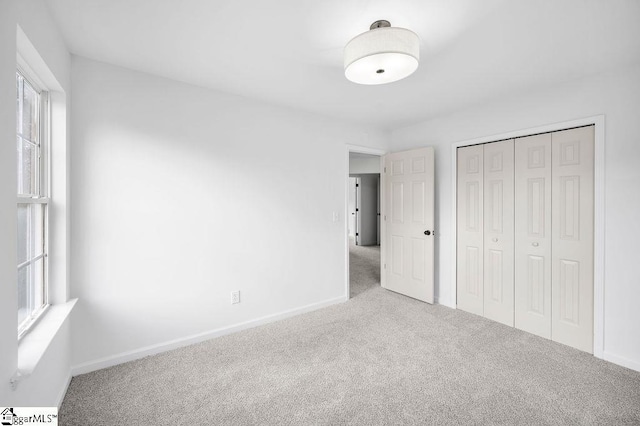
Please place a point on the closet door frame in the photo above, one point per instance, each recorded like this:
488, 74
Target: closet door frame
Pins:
599, 208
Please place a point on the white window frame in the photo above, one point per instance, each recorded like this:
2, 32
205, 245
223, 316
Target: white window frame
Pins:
43, 192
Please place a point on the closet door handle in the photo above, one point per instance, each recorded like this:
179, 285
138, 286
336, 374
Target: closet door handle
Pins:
535, 244
495, 240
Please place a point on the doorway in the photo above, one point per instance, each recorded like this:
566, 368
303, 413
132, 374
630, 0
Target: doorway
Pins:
405, 201
363, 220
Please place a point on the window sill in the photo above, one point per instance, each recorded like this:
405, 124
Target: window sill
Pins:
33, 345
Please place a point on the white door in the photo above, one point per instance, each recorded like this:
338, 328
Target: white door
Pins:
409, 223
498, 231
533, 235
470, 241
572, 234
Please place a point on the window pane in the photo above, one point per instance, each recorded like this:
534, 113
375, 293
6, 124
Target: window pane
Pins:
30, 113
23, 232
30, 231
19, 86
23, 294
27, 168
37, 229
37, 293
30, 290
20, 161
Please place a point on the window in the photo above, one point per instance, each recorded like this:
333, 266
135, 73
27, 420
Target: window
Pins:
32, 191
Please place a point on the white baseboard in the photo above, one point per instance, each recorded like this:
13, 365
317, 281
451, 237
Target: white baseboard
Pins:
624, 362
63, 391
123, 357
445, 302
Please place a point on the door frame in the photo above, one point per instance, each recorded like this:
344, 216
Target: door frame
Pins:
360, 150
598, 211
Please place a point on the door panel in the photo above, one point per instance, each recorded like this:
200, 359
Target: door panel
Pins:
470, 264
572, 234
533, 235
499, 231
409, 210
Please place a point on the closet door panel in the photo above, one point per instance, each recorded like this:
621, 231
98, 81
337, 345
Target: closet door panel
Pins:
470, 262
533, 234
572, 233
499, 231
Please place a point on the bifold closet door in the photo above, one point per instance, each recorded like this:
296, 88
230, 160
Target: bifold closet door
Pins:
572, 237
533, 235
499, 231
470, 242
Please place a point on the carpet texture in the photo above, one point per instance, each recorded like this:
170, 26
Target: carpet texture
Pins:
380, 358
364, 268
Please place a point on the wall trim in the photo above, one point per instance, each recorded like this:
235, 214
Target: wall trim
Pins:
599, 214
145, 351
63, 391
625, 362
361, 150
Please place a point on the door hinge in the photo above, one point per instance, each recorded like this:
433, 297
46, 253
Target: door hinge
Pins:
385, 266
385, 170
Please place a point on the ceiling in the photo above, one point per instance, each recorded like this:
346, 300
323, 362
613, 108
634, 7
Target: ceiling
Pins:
289, 52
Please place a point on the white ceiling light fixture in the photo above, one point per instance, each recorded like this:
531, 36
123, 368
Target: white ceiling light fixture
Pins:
383, 54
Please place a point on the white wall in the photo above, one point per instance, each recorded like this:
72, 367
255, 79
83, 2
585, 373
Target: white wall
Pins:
617, 96
48, 382
181, 195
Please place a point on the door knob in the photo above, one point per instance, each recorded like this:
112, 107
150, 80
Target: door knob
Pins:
427, 232
495, 240
534, 244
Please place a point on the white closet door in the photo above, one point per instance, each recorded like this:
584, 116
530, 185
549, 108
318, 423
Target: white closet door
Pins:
498, 231
533, 235
572, 233
470, 242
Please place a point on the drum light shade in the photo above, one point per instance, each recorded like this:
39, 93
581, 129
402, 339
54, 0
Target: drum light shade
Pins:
382, 55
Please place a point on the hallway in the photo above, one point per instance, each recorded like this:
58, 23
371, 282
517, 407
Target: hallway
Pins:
364, 268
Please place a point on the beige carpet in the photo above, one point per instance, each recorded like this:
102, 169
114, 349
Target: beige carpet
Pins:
380, 358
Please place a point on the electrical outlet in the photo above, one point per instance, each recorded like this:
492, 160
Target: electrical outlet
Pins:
235, 297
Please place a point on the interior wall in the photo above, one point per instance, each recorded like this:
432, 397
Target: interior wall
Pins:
363, 165
182, 195
48, 382
615, 94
